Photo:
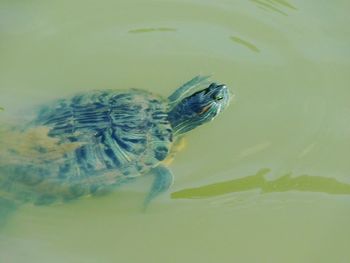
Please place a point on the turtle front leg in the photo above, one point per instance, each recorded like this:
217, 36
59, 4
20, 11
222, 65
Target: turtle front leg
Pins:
162, 181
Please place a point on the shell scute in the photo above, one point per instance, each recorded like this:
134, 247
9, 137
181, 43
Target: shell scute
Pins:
98, 140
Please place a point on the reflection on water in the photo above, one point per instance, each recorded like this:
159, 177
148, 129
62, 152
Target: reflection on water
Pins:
278, 6
304, 183
245, 43
147, 30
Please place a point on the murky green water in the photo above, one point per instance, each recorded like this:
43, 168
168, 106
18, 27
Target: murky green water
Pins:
268, 181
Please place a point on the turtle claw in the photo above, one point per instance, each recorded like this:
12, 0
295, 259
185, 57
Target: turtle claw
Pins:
162, 181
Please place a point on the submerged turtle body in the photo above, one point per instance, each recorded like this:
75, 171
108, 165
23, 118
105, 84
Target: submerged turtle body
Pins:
115, 137
127, 132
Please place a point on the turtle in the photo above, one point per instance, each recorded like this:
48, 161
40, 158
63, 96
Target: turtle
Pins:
92, 142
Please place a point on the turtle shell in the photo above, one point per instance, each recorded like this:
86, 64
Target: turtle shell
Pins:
114, 136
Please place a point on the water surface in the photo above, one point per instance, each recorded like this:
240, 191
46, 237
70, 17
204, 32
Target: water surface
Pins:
268, 181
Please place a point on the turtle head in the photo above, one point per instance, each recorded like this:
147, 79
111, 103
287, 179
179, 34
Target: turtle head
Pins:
198, 108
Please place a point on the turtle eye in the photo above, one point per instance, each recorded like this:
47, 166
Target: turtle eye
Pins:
218, 97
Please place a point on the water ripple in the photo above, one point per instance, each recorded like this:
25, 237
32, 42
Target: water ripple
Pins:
285, 183
277, 6
151, 29
245, 43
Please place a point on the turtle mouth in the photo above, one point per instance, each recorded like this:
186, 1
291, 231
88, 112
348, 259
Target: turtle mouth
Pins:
218, 97
222, 98
205, 109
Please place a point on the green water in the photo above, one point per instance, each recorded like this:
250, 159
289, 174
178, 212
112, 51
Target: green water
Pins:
268, 181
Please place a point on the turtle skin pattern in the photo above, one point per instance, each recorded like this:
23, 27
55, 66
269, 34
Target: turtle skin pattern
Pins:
120, 135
